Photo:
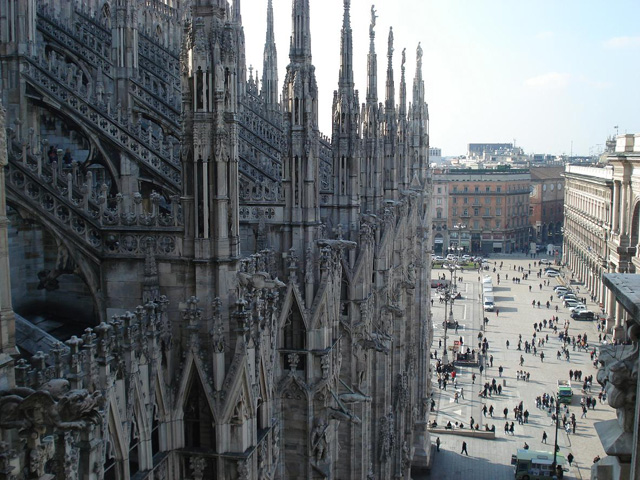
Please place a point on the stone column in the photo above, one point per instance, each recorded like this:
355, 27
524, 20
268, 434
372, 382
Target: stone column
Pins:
616, 207
7, 318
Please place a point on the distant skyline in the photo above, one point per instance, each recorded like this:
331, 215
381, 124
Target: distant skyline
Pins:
546, 74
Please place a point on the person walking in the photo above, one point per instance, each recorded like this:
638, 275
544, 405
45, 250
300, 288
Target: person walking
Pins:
464, 450
511, 429
544, 437
521, 360
570, 458
500, 370
491, 360
438, 444
506, 412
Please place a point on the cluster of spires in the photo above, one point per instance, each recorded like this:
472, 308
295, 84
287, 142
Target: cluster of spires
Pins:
300, 52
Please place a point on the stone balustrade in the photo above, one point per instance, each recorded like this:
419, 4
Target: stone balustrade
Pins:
154, 151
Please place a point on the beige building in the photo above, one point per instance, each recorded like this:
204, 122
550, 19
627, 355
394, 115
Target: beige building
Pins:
601, 248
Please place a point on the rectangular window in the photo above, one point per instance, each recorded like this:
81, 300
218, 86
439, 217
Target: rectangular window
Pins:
476, 212
466, 200
455, 200
476, 225
466, 189
439, 201
455, 211
498, 189
498, 211
487, 211
465, 212
476, 201
487, 200
476, 189
498, 201
439, 189
487, 189
455, 189
497, 223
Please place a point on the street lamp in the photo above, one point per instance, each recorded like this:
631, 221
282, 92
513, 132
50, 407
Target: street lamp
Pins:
447, 299
555, 446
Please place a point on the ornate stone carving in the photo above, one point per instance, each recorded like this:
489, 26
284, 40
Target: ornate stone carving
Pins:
53, 405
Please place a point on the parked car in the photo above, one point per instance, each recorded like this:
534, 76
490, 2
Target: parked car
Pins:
570, 302
578, 308
570, 296
560, 287
552, 273
438, 258
544, 261
584, 315
562, 293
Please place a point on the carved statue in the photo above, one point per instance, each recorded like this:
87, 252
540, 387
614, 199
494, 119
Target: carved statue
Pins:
619, 376
373, 20
319, 438
64, 265
54, 405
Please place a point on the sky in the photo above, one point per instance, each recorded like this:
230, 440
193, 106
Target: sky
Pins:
553, 76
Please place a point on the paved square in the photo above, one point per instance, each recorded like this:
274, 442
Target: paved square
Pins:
491, 459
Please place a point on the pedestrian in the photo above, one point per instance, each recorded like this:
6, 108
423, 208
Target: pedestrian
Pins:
511, 429
542, 357
491, 360
544, 437
506, 426
507, 344
464, 450
521, 360
497, 311
570, 458
500, 370
438, 444
473, 379
506, 412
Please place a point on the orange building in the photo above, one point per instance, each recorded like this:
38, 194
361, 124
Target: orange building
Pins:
487, 210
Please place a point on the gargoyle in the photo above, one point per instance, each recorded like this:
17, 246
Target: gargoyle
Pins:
54, 405
372, 344
354, 397
335, 414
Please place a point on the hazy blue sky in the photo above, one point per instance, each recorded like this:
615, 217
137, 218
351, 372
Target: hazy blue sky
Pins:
544, 73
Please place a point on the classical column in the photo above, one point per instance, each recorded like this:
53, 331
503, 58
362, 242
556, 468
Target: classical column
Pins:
616, 206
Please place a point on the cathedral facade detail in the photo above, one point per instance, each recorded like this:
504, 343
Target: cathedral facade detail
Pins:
195, 281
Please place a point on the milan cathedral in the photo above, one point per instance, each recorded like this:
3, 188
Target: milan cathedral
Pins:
195, 282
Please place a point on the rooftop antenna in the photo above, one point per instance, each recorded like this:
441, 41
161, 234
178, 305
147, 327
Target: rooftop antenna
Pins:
616, 127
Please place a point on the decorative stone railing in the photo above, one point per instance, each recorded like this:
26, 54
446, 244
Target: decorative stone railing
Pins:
167, 106
168, 61
153, 151
107, 225
81, 41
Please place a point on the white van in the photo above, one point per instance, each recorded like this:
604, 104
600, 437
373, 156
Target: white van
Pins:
487, 303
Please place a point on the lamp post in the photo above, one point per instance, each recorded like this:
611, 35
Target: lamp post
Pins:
555, 446
447, 300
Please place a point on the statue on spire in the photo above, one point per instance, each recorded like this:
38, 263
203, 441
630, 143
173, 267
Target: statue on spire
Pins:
390, 42
419, 57
404, 57
373, 20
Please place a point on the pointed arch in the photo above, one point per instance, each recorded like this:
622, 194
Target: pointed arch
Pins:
197, 415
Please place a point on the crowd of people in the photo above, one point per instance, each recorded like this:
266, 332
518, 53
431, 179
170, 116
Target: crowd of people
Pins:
535, 346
